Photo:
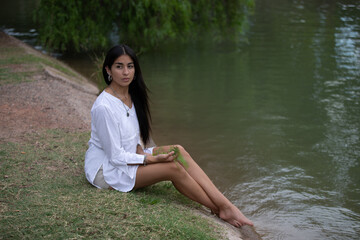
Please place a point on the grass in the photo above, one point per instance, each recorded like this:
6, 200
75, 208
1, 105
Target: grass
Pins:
44, 195
8, 76
98, 75
17, 66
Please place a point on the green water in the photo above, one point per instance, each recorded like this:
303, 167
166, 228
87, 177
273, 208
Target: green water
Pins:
276, 122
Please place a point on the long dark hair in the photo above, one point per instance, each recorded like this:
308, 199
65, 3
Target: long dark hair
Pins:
137, 89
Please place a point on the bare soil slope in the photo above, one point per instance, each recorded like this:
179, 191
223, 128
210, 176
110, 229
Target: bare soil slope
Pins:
43, 98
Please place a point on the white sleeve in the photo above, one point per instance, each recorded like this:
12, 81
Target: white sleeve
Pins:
149, 150
108, 133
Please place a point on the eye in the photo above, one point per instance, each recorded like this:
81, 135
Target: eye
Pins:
131, 66
119, 66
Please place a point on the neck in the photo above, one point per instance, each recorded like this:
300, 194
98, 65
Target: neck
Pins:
120, 91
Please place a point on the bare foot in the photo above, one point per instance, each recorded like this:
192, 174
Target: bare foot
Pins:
234, 216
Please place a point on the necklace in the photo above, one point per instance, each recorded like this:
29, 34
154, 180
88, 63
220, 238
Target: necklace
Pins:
127, 109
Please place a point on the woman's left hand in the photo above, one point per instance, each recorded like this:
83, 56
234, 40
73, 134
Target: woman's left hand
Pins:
164, 157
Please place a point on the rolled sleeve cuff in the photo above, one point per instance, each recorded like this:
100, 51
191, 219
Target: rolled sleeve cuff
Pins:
136, 159
149, 150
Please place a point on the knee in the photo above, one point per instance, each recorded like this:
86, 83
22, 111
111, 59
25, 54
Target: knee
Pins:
177, 171
182, 150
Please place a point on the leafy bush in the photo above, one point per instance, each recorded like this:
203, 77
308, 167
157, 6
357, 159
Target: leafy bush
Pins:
83, 25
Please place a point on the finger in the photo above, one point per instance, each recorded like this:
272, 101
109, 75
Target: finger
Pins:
167, 155
170, 154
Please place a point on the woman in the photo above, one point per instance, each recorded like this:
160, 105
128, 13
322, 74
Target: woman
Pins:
116, 159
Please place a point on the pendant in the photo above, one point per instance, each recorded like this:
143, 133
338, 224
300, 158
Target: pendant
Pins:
127, 114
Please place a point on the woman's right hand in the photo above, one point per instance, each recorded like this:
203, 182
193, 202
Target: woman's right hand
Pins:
164, 157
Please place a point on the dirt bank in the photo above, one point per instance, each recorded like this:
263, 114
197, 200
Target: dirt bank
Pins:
46, 99
38, 92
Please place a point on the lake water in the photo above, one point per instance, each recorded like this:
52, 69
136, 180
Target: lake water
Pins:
275, 122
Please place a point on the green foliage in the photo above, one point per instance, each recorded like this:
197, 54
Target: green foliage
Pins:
178, 156
150, 22
224, 20
78, 25
97, 75
75, 25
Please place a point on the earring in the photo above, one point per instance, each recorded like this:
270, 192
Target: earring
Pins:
109, 78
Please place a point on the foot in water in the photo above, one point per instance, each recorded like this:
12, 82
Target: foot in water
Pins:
234, 216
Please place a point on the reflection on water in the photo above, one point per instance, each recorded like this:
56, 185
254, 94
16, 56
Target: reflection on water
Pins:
339, 97
275, 123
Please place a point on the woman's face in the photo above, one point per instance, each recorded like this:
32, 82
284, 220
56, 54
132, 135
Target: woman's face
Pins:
122, 71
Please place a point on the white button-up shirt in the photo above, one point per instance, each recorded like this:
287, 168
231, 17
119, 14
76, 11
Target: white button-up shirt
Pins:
113, 143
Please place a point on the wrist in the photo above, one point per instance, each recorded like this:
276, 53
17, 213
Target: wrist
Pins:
148, 159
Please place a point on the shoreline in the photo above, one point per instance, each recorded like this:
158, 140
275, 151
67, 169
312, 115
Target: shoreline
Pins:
53, 96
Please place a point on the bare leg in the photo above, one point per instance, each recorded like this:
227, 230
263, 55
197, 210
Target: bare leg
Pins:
182, 181
224, 208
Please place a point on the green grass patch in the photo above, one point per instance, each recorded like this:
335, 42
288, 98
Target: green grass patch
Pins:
10, 50
44, 195
16, 65
35, 60
7, 76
